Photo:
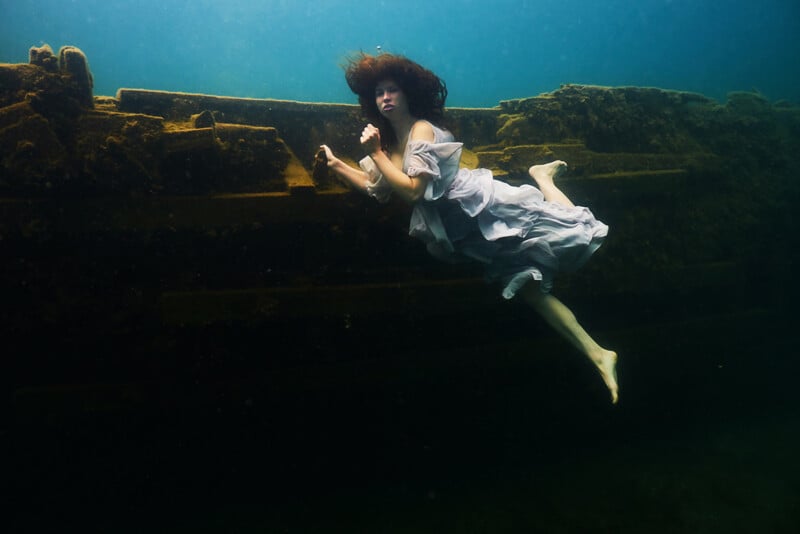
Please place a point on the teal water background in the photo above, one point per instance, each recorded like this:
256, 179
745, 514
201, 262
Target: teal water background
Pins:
486, 51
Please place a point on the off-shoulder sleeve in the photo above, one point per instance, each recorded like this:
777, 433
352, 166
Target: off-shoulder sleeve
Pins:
439, 161
378, 186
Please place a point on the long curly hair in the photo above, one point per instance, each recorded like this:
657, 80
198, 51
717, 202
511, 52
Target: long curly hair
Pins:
425, 91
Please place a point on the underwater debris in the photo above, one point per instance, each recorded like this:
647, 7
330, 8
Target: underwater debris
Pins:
673, 173
57, 138
43, 57
72, 61
204, 119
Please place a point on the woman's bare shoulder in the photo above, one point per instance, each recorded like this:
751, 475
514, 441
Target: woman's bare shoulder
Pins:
422, 131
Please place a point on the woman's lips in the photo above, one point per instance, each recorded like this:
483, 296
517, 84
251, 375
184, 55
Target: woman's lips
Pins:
388, 107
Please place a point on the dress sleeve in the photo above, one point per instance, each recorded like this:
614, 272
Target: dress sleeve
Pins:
437, 160
378, 186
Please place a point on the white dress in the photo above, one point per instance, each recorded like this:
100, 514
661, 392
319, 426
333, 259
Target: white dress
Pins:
467, 214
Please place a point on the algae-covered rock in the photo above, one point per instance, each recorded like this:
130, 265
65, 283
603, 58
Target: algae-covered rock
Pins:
606, 119
152, 198
43, 57
32, 155
72, 61
55, 140
118, 152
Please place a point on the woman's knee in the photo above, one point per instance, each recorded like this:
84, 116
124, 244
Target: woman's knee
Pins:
532, 293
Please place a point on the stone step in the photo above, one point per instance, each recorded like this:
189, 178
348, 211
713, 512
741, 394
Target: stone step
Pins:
264, 304
303, 126
299, 203
616, 188
634, 182
516, 160
423, 298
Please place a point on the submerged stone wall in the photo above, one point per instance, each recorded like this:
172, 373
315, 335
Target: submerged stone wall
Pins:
157, 210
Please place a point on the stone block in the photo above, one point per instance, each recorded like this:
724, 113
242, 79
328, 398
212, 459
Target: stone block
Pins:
33, 158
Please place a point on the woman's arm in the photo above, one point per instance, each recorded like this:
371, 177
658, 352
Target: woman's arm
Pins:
356, 178
410, 188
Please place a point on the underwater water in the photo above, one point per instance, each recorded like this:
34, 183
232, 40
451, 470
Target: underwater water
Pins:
178, 361
486, 51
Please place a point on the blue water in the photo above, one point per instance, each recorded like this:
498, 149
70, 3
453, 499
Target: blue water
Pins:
486, 51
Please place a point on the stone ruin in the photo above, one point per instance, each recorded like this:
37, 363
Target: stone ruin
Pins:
158, 210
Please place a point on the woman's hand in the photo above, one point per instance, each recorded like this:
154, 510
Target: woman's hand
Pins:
371, 139
333, 161
354, 177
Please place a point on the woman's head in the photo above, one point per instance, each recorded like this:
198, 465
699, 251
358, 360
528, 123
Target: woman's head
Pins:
425, 92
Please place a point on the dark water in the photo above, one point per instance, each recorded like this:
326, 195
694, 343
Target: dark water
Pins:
485, 51
325, 427
477, 419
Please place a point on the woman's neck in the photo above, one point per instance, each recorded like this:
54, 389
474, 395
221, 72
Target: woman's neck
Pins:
402, 129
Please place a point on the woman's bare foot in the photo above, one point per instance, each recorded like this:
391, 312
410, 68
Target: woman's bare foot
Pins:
544, 174
607, 365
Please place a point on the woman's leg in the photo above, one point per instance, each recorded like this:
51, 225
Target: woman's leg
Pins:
554, 312
557, 315
543, 175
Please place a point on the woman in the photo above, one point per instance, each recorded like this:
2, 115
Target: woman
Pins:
523, 235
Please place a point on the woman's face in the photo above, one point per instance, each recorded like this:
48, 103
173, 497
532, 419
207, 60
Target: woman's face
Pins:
390, 99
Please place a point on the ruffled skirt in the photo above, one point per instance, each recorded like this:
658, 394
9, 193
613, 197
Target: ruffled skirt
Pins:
517, 234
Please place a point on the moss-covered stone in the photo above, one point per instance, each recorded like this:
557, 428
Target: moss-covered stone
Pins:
32, 155
698, 194
606, 119
55, 141
73, 63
